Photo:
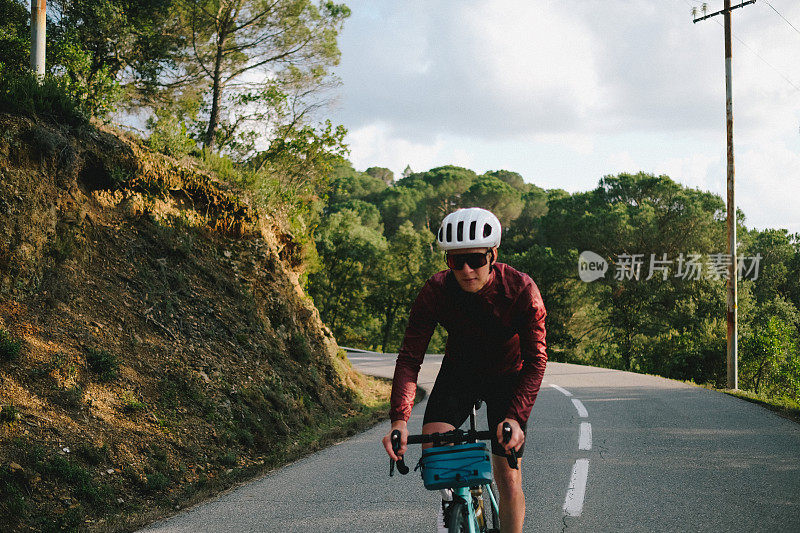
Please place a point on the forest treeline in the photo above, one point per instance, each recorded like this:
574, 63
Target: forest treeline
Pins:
659, 307
239, 87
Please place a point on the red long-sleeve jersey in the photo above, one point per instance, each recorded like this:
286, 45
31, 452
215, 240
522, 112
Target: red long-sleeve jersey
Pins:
497, 330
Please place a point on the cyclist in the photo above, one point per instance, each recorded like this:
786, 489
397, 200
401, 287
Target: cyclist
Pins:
496, 350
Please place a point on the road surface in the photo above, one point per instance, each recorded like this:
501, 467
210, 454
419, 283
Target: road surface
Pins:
606, 451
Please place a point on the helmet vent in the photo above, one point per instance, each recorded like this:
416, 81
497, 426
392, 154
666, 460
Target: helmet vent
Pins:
487, 230
441, 234
460, 231
472, 229
449, 232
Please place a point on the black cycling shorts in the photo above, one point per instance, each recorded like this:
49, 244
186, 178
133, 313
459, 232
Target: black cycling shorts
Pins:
455, 393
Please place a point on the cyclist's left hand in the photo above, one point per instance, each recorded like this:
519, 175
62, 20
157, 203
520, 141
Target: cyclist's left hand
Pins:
517, 435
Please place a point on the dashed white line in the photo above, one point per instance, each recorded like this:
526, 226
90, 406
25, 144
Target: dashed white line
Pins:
573, 504
585, 436
562, 390
576, 490
582, 412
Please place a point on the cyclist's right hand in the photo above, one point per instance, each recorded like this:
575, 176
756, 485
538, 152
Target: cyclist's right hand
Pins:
402, 427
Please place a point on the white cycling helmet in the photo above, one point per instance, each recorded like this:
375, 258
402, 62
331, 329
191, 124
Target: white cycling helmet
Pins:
469, 228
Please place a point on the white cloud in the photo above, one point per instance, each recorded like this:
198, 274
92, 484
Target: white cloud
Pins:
579, 143
621, 162
768, 186
566, 92
377, 145
694, 170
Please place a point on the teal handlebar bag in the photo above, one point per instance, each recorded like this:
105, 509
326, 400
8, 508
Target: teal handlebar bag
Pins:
463, 465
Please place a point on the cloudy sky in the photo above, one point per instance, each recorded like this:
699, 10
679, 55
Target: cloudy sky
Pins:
567, 91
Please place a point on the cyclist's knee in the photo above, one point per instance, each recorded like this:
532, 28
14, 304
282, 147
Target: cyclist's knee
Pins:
435, 427
508, 480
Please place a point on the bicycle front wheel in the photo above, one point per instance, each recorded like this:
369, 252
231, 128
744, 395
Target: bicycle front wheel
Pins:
457, 522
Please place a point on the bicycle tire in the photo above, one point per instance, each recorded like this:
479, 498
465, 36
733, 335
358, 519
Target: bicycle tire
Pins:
458, 518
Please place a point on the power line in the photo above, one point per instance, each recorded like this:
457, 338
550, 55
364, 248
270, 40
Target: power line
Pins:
781, 74
781, 16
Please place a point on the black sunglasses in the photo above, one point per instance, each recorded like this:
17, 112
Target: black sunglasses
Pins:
476, 260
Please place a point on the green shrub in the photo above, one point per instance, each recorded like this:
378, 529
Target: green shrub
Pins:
49, 99
131, 404
102, 363
170, 134
770, 360
228, 459
13, 506
299, 348
93, 455
9, 414
9, 345
73, 474
69, 397
156, 482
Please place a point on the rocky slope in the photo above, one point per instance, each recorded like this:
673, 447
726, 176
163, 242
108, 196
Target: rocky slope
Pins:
155, 344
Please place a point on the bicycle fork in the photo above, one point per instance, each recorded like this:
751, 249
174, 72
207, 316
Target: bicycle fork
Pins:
476, 518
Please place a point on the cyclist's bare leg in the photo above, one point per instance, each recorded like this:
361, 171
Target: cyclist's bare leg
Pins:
435, 427
512, 499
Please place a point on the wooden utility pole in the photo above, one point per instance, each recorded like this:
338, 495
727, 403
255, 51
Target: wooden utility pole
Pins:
732, 311
38, 27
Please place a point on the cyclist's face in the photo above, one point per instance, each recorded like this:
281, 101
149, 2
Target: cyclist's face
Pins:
473, 279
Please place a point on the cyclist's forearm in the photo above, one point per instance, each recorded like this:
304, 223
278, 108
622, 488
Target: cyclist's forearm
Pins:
404, 389
409, 361
530, 381
533, 350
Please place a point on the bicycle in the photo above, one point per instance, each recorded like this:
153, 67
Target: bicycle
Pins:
458, 462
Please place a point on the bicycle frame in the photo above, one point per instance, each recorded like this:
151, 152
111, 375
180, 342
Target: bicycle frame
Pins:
465, 493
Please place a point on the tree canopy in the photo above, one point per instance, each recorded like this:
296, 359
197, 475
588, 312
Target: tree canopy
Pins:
648, 313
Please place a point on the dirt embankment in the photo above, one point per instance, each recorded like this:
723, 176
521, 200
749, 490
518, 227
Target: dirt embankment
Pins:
155, 344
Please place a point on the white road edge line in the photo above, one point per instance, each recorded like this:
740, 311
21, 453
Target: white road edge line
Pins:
562, 390
582, 412
573, 504
585, 436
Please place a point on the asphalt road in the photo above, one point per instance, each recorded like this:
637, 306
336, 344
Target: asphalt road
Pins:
606, 451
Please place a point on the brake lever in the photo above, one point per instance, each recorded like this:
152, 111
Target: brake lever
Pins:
401, 465
512, 454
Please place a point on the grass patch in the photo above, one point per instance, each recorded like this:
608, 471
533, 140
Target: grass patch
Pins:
13, 506
103, 363
157, 482
785, 407
49, 98
10, 346
9, 414
372, 407
91, 454
69, 397
80, 480
132, 404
